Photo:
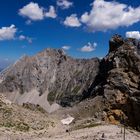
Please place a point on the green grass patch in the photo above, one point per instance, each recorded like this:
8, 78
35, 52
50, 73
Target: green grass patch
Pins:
76, 89
8, 124
51, 97
21, 126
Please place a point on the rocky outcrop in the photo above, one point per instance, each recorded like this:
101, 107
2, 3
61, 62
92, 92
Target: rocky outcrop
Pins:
118, 81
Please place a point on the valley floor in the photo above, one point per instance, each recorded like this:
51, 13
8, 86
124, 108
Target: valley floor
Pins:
110, 132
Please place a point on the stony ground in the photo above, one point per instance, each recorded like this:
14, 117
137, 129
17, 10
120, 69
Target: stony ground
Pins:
29, 122
102, 132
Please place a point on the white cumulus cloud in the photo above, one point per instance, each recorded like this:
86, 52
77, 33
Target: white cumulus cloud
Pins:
64, 4
106, 15
133, 34
22, 37
51, 13
72, 21
8, 33
66, 47
89, 47
33, 11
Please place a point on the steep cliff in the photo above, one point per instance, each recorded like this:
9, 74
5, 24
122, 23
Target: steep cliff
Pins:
118, 81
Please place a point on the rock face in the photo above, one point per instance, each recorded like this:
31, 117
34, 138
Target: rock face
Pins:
119, 81
50, 75
55, 77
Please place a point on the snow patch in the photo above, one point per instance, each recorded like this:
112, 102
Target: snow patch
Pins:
67, 120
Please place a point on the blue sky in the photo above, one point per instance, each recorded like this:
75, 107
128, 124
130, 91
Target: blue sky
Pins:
81, 27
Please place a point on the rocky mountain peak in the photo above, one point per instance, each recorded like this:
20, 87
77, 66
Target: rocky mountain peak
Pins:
53, 76
115, 42
49, 52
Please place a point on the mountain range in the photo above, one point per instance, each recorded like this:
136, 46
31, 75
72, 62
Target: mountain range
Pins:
54, 80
